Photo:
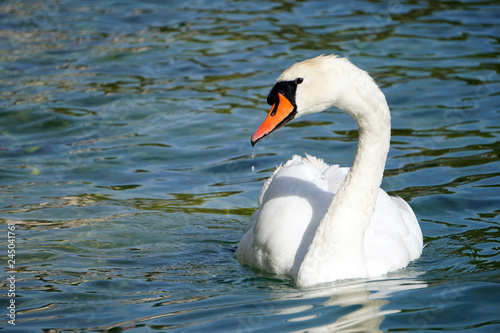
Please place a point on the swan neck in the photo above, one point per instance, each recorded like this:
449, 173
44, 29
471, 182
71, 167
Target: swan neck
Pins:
339, 239
366, 172
372, 115
351, 209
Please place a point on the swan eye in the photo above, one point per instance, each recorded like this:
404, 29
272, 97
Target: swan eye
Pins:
299, 80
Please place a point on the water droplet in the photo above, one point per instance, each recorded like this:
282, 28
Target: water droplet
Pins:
253, 168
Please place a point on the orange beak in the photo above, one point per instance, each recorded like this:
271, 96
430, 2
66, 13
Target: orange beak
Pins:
281, 113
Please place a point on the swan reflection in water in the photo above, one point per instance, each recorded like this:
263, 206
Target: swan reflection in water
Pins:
343, 306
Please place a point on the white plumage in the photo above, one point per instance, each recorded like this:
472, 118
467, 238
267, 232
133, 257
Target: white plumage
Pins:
319, 223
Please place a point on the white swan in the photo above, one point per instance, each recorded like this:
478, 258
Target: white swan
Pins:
319, 223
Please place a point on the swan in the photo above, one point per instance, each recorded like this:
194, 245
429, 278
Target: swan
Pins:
319, 223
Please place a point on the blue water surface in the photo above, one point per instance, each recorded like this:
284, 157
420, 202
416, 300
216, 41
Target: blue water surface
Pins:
127, 172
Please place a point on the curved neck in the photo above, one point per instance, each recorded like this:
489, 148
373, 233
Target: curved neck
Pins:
339, 239
365, 175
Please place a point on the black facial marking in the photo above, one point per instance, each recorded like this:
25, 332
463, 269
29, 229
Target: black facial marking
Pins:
275, 108
286, 88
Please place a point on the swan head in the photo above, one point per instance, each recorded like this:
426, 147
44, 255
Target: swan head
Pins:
311, 86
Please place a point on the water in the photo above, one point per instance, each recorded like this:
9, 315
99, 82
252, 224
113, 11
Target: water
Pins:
127, 170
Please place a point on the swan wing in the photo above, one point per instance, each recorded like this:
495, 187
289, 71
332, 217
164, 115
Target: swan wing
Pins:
393, 237
292, 203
